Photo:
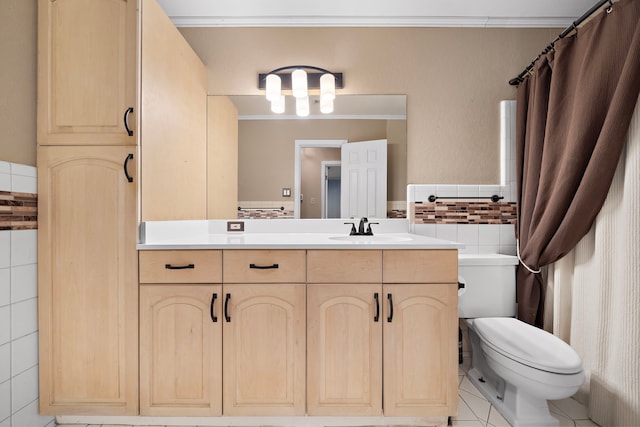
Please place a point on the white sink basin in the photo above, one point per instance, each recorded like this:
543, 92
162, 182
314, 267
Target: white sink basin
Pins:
381, 238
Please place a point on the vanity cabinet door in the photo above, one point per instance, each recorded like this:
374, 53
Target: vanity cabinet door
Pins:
264, 349
180, 350
87, 281
420, 349
86, 72
344, 349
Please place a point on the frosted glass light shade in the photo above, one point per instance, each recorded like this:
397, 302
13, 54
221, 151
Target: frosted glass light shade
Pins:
277, 105
327, 87
302, 106
326, 105
299, 84
273, 87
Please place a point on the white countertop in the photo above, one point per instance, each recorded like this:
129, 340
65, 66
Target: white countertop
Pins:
287, 235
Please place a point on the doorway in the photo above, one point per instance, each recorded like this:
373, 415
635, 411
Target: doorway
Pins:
330, 184
300, 144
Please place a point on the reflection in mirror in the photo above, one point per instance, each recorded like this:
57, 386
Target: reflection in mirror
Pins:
266, 153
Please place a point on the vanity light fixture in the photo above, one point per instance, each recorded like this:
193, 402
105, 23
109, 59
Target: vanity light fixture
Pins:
296, 79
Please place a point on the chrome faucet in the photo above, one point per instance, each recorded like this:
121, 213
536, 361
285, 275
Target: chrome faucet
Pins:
361, 228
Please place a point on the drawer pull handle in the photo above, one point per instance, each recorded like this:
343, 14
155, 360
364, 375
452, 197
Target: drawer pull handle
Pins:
214, 318
390, 298
179, 267
263, 267
377, 316
226, 308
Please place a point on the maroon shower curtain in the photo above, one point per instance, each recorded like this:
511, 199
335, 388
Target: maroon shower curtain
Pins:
573, 114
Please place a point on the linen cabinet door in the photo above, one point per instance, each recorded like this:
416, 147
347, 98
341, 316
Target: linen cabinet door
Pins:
87, 72
420, 350
264, 349
344, 349
87, 281
180, 350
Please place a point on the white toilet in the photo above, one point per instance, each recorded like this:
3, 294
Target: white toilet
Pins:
516, 366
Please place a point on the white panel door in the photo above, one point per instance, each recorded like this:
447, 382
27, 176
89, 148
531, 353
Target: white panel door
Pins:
364, 179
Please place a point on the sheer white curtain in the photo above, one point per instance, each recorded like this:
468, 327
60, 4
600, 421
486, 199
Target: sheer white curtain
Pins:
593, 297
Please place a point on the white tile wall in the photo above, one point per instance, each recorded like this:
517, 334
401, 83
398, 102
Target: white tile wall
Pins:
477, 238
18, 312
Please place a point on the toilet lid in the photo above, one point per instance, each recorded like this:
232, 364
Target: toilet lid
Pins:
528, 345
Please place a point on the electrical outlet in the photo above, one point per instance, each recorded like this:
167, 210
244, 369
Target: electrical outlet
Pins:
235, 225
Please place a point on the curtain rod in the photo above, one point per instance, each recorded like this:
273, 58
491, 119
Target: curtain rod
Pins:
520, 78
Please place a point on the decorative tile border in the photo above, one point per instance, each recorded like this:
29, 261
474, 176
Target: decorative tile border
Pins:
463, 212
18, 211
264, 213
397, 213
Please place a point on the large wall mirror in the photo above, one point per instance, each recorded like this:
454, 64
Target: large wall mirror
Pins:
267, 151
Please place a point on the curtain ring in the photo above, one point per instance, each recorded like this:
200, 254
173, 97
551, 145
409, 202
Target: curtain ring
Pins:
610, 8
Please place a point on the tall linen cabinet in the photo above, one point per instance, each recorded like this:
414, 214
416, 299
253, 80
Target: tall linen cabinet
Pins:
90, 123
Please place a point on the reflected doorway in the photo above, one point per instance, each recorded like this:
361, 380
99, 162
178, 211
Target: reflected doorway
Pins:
330, 183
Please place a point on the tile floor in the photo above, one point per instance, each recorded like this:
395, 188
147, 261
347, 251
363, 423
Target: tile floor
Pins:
475, 411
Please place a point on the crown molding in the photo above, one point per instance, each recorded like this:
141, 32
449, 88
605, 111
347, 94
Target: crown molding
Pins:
372, 21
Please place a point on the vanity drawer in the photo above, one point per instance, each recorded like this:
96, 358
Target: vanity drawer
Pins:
340, 266
420, 266
264, 266
183, 266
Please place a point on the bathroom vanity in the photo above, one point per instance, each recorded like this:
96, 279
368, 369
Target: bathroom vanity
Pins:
294, 324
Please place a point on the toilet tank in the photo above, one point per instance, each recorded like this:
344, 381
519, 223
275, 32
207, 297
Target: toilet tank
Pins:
489, 285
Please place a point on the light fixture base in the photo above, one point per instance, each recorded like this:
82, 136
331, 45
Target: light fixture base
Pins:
313, 80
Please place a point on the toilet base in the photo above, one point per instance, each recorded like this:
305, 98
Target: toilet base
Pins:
517, 407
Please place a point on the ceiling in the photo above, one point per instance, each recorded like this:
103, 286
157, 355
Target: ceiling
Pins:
375, 13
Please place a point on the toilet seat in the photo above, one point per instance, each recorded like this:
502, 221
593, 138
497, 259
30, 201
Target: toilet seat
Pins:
527, 345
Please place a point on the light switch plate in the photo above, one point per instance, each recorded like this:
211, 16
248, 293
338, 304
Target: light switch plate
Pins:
286, 192
235, 225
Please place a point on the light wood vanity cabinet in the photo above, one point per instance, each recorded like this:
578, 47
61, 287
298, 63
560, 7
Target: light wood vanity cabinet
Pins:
344, 332
93, 101
316, 332
180, 333
87, 281
264, 332
415, 335
420, 332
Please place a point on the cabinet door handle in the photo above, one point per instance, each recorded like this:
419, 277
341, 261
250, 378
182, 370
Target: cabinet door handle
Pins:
226, 308
214, 318
126, 121
179, 267
377, 316
263, 267
390, 298
126, 167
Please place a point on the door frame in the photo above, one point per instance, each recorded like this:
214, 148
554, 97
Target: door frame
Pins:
297, 167
323, 184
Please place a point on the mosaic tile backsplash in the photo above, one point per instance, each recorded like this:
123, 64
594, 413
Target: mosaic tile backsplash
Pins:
464, 212
467, 215
18, 211
18, 198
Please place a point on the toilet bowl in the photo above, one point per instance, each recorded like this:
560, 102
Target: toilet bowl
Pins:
516, 366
